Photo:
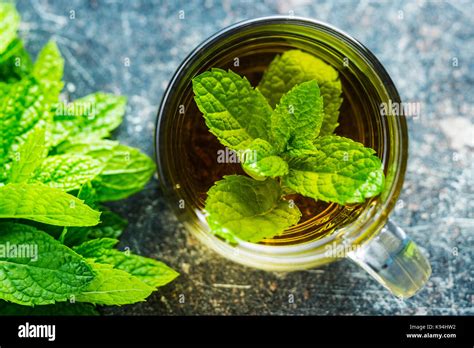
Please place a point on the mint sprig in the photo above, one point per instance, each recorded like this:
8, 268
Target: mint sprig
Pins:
287, 149
56, 274
56, 170
239, 207
234, 111
336, 170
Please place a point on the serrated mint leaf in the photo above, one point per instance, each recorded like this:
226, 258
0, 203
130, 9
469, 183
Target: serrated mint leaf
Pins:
234, 111
24, 107
124, 174
9, 23
15, 62
260, 160
152, 272
294, 67
126, 169
114, 287
297, 118
49, 65
48, 72
28, 157
49, 273
45, 204
241, 208
58, 309
338, 170
92, 117
67, 172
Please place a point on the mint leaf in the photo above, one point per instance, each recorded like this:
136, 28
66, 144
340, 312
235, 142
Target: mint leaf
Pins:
294, 67
50, 272
28, 157
15, 62
9, 23
234, 111
67, 172
49, 65
94, 116
297, 118
48, 72
126, 170
101, 150
150, 271
338, 170
260, 160
21, 109
114, 287
241, 208
58, 309
45, 204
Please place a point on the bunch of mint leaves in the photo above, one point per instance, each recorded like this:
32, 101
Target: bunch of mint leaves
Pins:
56, 170
282, 132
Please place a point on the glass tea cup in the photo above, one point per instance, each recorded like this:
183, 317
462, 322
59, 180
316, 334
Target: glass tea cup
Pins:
186, 151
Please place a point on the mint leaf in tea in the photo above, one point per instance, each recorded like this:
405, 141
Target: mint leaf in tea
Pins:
286, 150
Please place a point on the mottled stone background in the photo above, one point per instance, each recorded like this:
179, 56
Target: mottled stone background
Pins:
428, 49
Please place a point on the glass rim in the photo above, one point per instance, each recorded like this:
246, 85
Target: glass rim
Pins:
378, 218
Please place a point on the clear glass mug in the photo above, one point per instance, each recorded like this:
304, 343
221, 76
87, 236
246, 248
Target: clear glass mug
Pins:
372, 241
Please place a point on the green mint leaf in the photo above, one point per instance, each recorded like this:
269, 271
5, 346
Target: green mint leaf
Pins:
49, 65
338, 170
110, 226
58, 309
67, 172
45, 204
24, 107
234, 111
28, 157
15, 62
9, 23
260, 160
152, 272
114, 287
298, 117
294, 67
126, 169
241, 208
94, 116
48, 72
51, 272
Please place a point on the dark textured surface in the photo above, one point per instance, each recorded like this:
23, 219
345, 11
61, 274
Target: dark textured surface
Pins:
418, 42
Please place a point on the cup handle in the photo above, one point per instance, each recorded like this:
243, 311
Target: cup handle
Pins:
394, 261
